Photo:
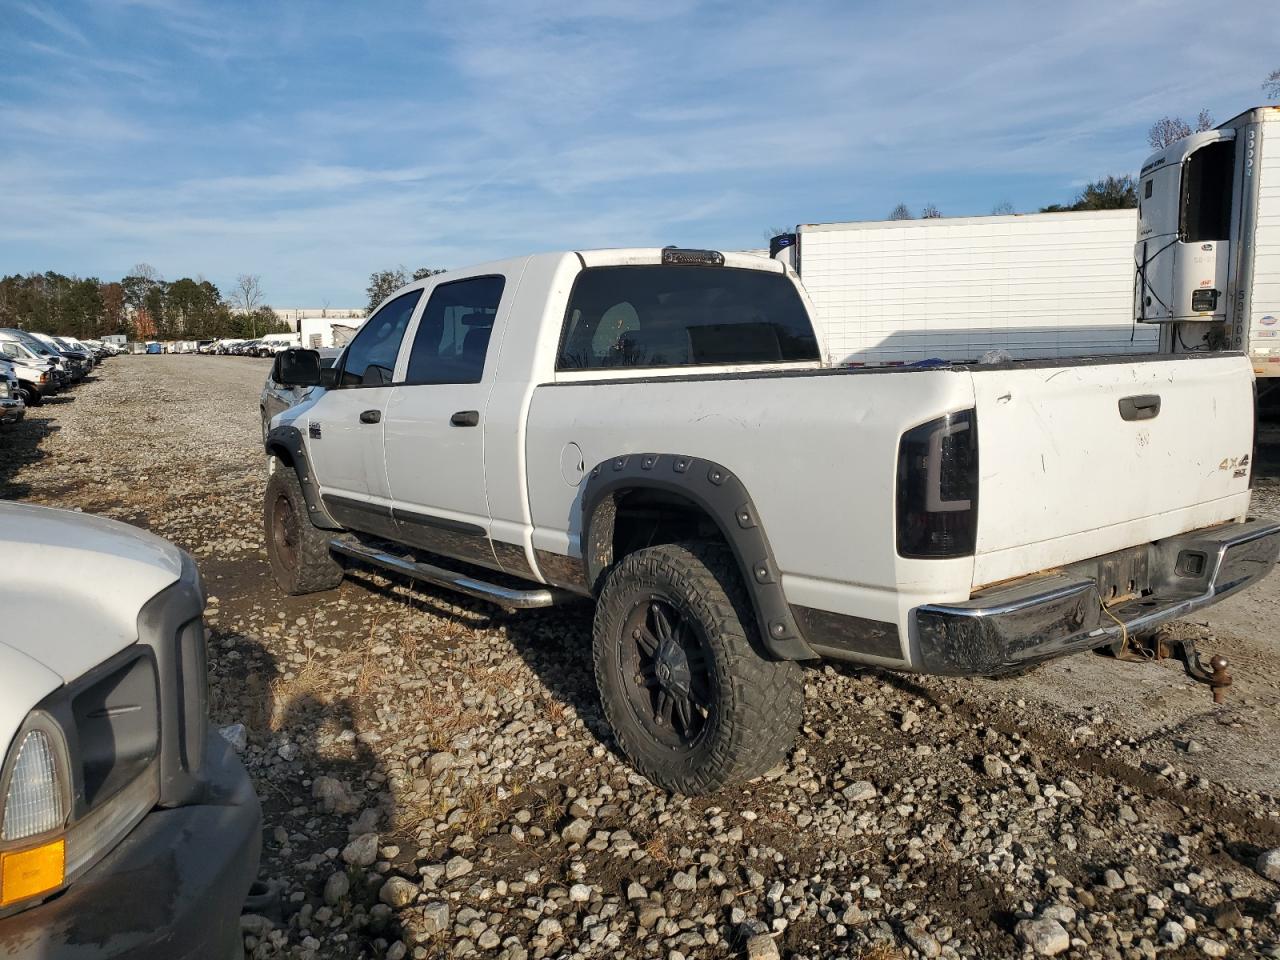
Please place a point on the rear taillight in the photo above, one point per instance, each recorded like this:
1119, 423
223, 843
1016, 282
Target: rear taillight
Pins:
938, 487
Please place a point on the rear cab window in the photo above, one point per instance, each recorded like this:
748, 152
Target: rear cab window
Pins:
655, 316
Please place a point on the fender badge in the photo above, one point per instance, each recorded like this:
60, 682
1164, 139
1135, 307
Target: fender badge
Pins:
313, 430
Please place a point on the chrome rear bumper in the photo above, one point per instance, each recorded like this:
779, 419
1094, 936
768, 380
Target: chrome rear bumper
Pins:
1007, 627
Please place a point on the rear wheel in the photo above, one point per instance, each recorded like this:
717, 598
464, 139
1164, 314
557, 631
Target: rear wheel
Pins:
693, 701
298, 551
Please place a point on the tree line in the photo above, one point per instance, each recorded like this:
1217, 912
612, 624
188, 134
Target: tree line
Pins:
141, 305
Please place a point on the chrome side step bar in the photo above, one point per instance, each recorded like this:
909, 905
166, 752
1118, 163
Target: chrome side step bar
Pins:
509, 597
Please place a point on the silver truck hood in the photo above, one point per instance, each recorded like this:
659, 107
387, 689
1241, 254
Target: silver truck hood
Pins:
71, 586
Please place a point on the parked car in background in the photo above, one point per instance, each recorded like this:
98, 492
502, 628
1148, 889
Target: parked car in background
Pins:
78, 362
37, 373
60, 366
131, 830
277, 396
12, 407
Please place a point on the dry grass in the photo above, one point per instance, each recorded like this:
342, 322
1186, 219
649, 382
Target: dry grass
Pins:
659, 848
881, 951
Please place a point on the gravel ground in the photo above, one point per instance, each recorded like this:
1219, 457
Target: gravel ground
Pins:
437, 779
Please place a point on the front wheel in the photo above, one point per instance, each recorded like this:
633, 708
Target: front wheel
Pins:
29, 396
297, 550
693, 701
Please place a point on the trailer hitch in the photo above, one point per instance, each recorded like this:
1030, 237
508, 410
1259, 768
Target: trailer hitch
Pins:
1163, 645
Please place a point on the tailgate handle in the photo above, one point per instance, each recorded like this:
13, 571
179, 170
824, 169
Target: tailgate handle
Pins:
1145, 407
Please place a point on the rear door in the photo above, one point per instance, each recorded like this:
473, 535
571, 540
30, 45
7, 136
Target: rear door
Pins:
434, 428
1078, 460
344, 426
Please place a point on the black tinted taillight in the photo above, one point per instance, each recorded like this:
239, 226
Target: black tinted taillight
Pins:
938, 487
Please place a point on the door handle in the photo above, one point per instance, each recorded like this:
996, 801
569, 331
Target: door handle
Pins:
1144, 407
371, 416
465, 418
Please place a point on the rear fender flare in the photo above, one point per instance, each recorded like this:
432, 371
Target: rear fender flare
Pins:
721, 496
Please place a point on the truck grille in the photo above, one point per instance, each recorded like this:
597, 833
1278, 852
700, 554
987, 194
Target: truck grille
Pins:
117, 725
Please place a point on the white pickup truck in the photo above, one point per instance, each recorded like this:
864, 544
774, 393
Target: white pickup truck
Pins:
128, 829
659, 431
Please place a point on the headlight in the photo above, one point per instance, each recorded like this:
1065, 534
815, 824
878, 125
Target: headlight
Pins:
34, 802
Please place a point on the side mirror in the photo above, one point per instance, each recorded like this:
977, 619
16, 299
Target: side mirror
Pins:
297, 368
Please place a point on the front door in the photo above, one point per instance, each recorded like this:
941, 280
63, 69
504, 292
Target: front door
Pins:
434, 426
345, 426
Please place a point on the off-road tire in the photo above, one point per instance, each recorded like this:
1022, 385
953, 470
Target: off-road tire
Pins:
756, 703
297, 550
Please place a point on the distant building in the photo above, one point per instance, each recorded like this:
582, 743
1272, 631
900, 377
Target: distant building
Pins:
293, 316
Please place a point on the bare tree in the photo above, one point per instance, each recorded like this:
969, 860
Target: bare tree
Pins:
1272, 85
247, 295
146, 272
771, 232
1169, 130
931, 212
1003, 209
247, 298
900, 212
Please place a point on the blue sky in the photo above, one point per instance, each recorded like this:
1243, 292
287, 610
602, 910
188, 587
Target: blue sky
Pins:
311, 143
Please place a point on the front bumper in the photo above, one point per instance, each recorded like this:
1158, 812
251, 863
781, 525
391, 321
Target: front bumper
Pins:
171, 890
1011, 626
12, 411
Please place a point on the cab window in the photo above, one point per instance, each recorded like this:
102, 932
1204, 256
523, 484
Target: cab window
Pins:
683, 316
371, 357
453, 335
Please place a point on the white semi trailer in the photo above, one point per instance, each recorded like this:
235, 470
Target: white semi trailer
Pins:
1036, 286
1208, 247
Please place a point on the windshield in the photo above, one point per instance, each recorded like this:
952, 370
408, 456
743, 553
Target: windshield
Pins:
32, 343
12, 349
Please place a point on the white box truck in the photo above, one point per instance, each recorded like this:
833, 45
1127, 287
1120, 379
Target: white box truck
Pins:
1208, 244
1036, 285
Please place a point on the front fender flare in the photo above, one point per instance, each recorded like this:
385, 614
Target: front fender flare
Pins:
289, 439
723, 497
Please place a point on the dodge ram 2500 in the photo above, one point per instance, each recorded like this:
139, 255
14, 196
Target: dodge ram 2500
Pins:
658, 430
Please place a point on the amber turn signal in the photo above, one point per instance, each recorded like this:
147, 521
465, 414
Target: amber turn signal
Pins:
28, 873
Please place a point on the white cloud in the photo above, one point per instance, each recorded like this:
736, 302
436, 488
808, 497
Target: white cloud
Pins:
314, 146
56, 22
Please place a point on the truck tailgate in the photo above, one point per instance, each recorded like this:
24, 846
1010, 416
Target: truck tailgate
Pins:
1081, 459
